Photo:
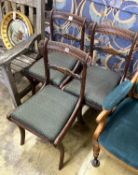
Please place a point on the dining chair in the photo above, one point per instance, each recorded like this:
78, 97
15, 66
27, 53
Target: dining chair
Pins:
51, 112
67, 27
100, 81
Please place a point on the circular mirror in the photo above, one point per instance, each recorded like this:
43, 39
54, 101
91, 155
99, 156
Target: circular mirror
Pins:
16, 30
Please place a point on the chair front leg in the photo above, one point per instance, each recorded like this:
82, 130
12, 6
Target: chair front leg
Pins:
95, 143
22, 132
96, 151
61, 161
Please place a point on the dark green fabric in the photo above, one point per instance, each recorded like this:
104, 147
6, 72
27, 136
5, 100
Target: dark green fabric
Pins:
120, 137
99, 83
59, 59
47, 111
118, 94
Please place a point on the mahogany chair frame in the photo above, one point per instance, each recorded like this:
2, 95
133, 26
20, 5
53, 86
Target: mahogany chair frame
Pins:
110, 30
45, 48
72, 19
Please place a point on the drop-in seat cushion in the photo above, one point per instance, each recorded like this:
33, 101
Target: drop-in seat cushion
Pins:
120, 136
46, 112
99, 82
37, 70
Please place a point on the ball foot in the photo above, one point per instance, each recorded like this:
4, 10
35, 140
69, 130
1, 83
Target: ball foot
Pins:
95, 163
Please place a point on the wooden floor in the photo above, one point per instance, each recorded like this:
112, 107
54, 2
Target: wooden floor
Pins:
38, 158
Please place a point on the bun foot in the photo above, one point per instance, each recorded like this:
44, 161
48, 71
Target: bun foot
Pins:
95, 162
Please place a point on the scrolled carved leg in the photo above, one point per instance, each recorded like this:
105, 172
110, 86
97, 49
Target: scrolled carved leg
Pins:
96, 151
95, 143
61, 161
22, 132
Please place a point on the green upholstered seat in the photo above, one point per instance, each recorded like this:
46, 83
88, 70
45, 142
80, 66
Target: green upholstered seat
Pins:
46, 112
120, 136
37, 70
99, 82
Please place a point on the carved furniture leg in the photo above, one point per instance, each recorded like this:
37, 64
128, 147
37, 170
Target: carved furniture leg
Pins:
61, 161
22, 132
96, 150
80, 118
95, 143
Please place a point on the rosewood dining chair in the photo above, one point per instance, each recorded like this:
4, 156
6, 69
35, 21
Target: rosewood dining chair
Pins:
51, 112
100, 81
67, 28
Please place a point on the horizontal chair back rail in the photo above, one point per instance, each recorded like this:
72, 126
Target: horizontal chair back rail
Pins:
126, 34
65, 71
74, 52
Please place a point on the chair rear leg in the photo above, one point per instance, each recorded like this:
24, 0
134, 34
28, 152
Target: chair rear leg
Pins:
61, 161
33, 83
22, 132
80, 118
33, 88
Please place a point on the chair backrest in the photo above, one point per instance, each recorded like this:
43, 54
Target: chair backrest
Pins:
33, 9
47, 47
110, 44
67, 28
